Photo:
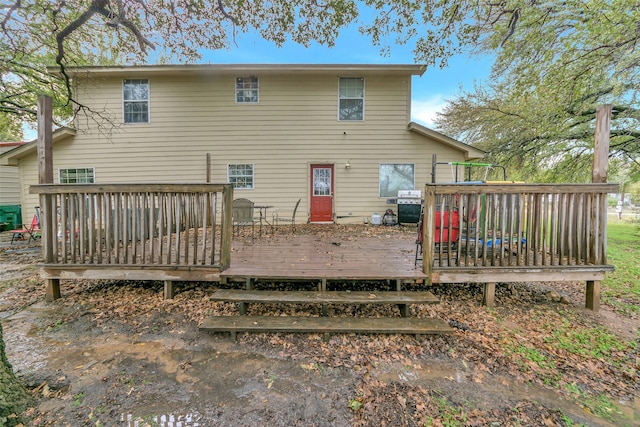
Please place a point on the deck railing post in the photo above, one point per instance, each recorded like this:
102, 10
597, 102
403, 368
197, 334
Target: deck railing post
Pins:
428, 225
226, 227
45, 176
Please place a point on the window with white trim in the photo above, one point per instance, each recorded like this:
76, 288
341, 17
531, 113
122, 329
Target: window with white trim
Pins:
351, 98
396, 176
240, 176
135, 98
247, 90
76, 176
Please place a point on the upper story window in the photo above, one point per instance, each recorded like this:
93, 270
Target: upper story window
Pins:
76, 176
240, 176
135, 97
351, 98
247, 89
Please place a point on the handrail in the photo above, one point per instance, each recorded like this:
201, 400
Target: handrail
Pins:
469, 165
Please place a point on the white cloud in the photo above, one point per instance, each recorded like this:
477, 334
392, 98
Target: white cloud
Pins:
424, 111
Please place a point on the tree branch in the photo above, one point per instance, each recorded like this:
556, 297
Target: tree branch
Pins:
512, 26
67, 31
12, 8
225, 14
121, 19
7, 106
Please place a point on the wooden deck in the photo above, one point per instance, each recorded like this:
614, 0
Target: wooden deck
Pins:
183, 232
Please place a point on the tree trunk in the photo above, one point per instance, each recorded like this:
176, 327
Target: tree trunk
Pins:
14, 397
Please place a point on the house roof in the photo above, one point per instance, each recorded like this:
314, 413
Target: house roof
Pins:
410, 69
11, 157
470, 153
9, 145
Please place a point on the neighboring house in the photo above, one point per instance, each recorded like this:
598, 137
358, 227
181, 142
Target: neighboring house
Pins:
339, 137
10, 194
9, 179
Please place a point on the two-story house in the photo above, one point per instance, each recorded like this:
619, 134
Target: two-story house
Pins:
338, 137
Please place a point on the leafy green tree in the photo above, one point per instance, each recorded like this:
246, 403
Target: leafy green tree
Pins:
35, 34
555, 62
10, 128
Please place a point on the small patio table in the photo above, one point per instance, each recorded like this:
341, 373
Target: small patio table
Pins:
262, 212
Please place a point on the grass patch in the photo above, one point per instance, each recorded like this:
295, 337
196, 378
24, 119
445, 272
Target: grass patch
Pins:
599, 405
621, 288
450, 415
531, 359
32, 280
596, 342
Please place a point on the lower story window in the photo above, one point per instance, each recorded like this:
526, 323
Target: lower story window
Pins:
396, 176
77, 176
240, 176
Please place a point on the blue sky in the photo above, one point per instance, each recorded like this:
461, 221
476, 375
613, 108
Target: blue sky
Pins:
430, 91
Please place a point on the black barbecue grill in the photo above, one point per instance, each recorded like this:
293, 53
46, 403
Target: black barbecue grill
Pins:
409, 206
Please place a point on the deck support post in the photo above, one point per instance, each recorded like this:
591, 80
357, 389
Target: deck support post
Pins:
322, 286
325, 310
52, 292
405, 310
244, 306
398, 285
169, 289
489, 294
593, 295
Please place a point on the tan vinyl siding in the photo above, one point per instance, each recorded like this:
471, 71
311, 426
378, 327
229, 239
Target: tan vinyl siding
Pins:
9, 182
9, 186
295, 124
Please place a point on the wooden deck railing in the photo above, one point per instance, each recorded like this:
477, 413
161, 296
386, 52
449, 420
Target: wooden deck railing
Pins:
164, 226
514, 226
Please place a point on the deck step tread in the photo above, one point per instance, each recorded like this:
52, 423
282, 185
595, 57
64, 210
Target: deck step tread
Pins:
297, 324
325, 297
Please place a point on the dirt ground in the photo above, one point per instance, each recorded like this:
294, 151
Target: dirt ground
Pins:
117, 354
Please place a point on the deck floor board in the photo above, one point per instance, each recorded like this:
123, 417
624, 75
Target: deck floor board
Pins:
331, 257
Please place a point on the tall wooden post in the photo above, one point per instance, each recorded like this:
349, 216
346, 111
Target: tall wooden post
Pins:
45, 176
601, 145
599, 175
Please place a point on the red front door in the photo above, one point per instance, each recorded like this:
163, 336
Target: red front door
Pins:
321, 193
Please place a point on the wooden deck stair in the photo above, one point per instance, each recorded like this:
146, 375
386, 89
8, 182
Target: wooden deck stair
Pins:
324, 324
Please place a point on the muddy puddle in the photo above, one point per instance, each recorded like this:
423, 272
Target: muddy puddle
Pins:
207, 380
